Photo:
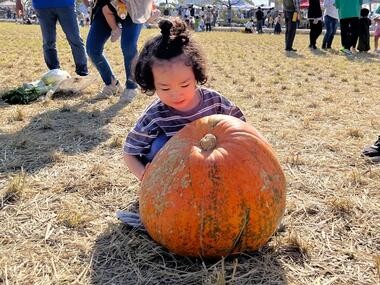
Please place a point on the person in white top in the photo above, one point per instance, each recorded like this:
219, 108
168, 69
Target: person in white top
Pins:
249, 26
331, 21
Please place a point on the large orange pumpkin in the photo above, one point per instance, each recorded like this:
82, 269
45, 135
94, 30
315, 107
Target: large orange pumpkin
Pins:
215, 189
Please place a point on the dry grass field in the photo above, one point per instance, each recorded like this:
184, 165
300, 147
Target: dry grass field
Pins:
62, 178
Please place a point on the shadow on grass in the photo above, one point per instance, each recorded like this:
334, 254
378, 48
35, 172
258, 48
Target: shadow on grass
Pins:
318, 52
125, 256
290, 54
68, 130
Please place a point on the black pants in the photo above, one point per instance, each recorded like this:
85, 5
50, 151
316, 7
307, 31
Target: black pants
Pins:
315, 32
291, 28
208, 27
349, 32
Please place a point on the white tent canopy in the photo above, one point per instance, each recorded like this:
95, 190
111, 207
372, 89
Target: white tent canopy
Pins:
8, 4
243, 5
198, 2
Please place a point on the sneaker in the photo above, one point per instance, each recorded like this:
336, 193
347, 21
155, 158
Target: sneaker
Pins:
373, 150
345, 51
375, 159
110, 90
128, 95
131, 219
115, 34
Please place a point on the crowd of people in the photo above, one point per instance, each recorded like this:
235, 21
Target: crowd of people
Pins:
353, 20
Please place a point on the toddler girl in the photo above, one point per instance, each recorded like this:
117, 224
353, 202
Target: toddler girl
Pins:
170, 65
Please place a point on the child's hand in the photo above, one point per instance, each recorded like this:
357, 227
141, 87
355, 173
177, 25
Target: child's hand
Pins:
146, 167
154, 16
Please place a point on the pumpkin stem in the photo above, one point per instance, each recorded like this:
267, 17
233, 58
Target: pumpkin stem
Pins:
208, 142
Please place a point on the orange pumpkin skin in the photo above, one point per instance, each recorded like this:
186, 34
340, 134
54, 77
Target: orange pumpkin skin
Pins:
216, 202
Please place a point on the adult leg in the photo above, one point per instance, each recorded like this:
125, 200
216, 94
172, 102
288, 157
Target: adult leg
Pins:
67, 17
334, 24
259, 27
318, 31
344, 33
48, 21
328, 25
130, 35
291, 30
354, 24
312, 33
96, 39
288, 19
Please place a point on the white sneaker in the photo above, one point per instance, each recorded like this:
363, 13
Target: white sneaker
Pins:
110, 90
128, 95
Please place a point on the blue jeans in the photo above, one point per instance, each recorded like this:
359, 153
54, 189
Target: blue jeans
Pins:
97, 37
67, 18
331, 24
157, 144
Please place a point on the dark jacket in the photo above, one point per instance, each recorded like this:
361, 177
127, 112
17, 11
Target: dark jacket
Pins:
315, 10
259, 15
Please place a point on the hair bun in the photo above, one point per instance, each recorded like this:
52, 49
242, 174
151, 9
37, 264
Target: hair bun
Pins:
165, 26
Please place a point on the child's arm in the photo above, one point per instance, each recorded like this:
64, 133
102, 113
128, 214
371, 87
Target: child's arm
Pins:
135, 166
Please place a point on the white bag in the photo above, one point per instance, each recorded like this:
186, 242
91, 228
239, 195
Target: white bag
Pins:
139, 10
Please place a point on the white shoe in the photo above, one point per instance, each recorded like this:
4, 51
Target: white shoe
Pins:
128, 95
110, 90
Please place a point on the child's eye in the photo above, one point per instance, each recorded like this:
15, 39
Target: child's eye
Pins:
165, 89
184, 86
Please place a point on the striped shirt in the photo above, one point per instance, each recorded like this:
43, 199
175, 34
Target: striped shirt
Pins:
159, 119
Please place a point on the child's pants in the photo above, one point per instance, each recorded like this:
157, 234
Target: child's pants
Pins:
157, 144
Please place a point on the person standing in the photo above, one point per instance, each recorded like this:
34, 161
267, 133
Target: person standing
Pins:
208, 19
259, 20
349, 12
49, 12
331, 21
277, 25
315, 20
292, 17
98, 35
364, 36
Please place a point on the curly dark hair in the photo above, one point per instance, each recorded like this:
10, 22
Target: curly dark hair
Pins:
175, 40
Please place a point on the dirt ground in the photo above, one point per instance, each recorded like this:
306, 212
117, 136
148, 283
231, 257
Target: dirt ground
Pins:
62, 178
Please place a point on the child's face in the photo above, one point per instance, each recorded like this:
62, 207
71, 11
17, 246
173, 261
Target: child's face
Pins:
175, 84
